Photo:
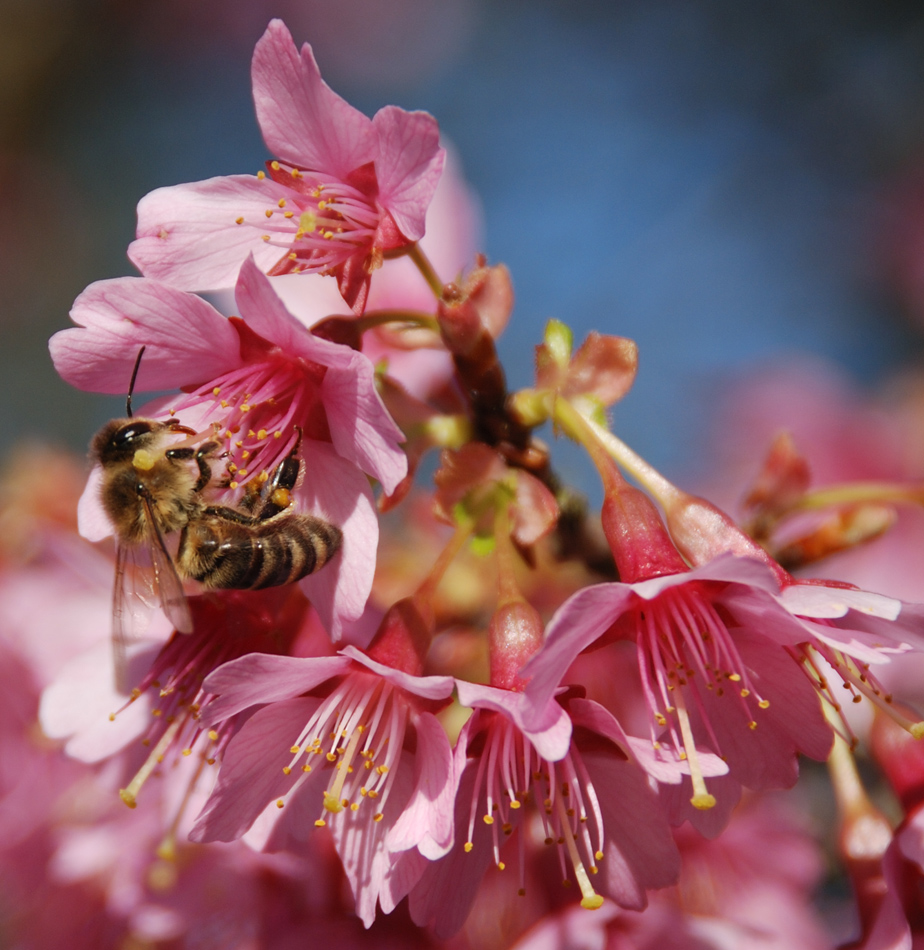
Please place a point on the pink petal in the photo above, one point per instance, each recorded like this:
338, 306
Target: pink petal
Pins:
580, 621
444, 895
187, 340
548, 731
408, 166
815, 600
92, 522
426, 823
338, 492
639, 850
188, 235
259, 678
77, 706
360, 426
765, 757
604, 367
374, 873
429, 687
302, 119
251, 773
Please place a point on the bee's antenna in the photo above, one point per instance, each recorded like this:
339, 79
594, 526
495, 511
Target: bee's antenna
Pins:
131, 385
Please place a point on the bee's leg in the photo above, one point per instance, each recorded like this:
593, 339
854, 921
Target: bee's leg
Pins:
281, 482
205, 451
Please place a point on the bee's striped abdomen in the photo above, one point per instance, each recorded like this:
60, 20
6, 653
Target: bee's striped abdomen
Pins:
281, 550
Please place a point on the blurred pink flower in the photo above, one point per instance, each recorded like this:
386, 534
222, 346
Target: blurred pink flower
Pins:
259, 377
360, 754
344, 190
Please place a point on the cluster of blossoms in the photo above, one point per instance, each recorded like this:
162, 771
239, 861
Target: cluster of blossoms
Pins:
508, 722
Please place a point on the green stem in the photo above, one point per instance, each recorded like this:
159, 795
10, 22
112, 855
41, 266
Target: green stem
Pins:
378, 318
426, 268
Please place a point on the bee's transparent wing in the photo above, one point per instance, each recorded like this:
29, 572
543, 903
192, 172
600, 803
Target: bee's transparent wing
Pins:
145, 578
167, 582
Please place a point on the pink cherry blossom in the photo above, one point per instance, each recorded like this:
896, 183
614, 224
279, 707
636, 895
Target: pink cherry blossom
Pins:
713, 661
343, 190
579, 771
361, 754
257, 377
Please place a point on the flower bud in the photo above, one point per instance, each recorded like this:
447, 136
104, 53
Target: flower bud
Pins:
640, 545
403, 638
515, 634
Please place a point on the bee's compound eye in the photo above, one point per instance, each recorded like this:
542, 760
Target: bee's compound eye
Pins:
127, 434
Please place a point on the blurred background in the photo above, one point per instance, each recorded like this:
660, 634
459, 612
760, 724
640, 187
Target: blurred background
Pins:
726, 181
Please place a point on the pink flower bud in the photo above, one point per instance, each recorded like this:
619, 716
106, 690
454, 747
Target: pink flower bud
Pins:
640, 545
515, 635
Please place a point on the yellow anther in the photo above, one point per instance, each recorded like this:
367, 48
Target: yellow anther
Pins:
306, 768
274, 165
514, 804
268, 212
265, 237
764, 704
488, 819
232, 485
238, 220
745, 693
261, 174
501, 865
295, 750
277, 434
216, 391
281, 202
187, 752
320, 823
288, 214
752, 725
354, 806
213, 735
735, 677
286, 770
378, 817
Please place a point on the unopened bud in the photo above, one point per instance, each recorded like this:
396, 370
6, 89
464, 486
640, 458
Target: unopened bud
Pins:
515, 634
640, 544
403, 638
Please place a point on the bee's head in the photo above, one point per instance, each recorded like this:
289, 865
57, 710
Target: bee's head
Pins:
120, 439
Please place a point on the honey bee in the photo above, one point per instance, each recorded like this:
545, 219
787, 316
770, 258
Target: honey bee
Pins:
152, 487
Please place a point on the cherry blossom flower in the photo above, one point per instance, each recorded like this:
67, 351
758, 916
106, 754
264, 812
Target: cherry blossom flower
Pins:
343, 190
258, 377
712, 654
347, 743
581, 774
